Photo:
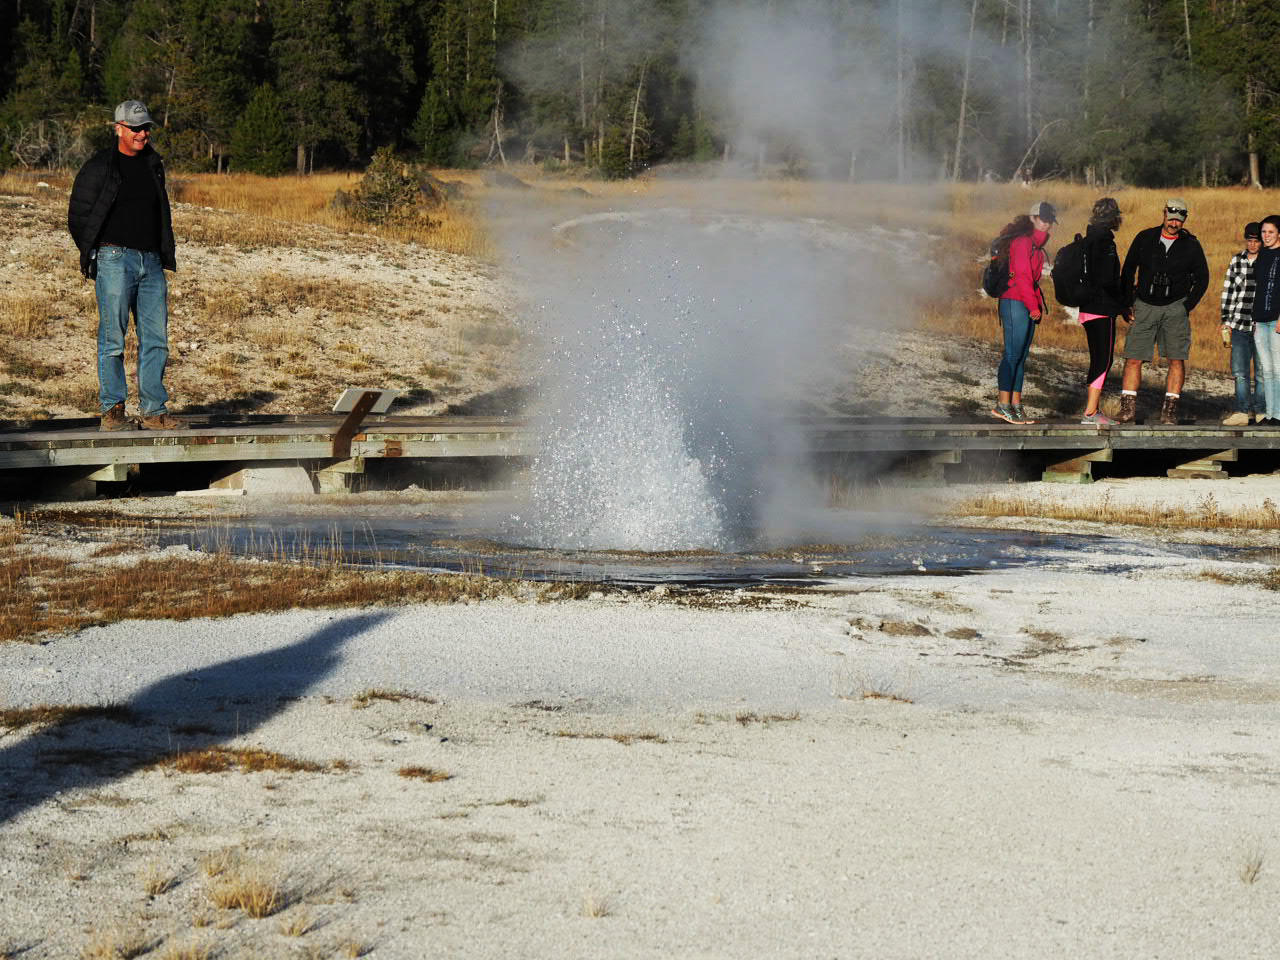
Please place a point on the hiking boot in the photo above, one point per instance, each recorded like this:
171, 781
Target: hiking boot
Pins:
162, 421
1020, 414
1236, 419
1128, 409
1169, 412
1004, 411
114, 419
1098, 419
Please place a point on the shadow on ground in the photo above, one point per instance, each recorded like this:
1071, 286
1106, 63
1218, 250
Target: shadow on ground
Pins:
191, 710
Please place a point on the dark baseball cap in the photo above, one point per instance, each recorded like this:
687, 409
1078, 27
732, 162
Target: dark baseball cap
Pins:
1253, 231
1045, 211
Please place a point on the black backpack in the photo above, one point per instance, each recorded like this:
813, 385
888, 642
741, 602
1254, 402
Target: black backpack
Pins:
1071, 273
995, 275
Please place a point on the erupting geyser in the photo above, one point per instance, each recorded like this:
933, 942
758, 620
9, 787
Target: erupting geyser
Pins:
675, 347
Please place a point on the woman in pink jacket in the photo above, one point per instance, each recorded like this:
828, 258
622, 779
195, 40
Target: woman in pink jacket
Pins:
1021, 305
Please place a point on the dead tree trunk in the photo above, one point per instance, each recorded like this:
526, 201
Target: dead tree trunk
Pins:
635, 116
964, 93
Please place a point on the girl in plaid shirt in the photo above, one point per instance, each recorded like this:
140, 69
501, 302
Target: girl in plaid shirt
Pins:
1237, 327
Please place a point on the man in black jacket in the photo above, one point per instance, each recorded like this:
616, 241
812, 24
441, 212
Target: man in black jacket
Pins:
119, 218
1171, 276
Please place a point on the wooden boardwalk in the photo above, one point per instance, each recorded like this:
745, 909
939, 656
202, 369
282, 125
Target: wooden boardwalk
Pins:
1065, 448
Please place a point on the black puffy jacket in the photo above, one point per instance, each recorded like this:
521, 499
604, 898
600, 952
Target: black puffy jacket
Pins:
1162, 276
92, 195
1102, 294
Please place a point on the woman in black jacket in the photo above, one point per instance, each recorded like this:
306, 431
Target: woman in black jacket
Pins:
1102, 302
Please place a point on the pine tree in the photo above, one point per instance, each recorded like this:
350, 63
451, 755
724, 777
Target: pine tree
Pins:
262, 140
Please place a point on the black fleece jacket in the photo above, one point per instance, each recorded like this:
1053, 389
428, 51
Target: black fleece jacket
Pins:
1164, 276
1102, 294
92, 195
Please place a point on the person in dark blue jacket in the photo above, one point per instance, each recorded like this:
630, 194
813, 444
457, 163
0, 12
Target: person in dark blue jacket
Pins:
1266, 310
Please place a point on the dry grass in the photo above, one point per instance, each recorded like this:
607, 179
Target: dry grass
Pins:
44, 715
297, 924
626, 739
255, 892
157, 880
270, 208
1207, 514
243, 759
188, 951
353, 949
116, 944
1267, 579
1251, 868
596, 906
367, 697
428, 774
42, 594
24, 315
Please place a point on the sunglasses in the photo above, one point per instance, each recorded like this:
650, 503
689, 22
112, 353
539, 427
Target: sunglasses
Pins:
145, 128
1175, 212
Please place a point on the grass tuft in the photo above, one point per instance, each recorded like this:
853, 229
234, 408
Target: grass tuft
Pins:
157, 880
1251, 868
626, 739
298, 924
367, 697
188, 951
45, 715
596, 906
116, 944
244, 759
251, 891
429, 774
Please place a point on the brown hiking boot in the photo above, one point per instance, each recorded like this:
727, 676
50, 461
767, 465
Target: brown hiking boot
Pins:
114, 419
1128, 409
162, 421
1169, 412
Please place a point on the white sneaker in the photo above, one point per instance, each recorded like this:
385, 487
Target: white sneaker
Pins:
1236, 419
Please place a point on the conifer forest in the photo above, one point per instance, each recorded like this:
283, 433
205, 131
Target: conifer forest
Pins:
1141, 92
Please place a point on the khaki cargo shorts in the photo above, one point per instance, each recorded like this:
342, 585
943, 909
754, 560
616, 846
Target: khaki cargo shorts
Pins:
1167, 327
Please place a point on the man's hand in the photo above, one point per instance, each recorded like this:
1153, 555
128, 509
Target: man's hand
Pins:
1035, 318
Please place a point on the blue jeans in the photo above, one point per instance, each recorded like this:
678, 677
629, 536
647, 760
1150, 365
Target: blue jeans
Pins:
1244, 367
132, 281
1019, 330
1268, 343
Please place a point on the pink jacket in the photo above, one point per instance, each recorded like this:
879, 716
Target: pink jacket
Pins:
1026, 263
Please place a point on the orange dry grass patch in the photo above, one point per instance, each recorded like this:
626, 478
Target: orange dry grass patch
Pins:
244, 759
429, 774
44, 715
41, 594
275, 205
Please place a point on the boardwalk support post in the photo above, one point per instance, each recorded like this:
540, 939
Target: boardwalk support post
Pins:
1207, 467
1076, 470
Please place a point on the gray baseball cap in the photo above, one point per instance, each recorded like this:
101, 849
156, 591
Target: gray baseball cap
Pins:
133, 113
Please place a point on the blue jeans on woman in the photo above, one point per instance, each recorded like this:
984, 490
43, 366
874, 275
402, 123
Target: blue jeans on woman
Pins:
1019, 329
1245, 370
1264, 336
132, 281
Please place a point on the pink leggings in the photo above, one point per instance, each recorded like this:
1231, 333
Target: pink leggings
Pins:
1101, 334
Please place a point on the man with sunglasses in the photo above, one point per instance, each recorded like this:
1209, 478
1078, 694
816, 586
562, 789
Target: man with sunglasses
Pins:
119, 218
1164, 276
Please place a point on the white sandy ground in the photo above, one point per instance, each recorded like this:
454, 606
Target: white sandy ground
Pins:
1092, 774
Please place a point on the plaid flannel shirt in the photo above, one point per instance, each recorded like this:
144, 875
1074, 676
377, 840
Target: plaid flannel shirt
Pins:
1237, 294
